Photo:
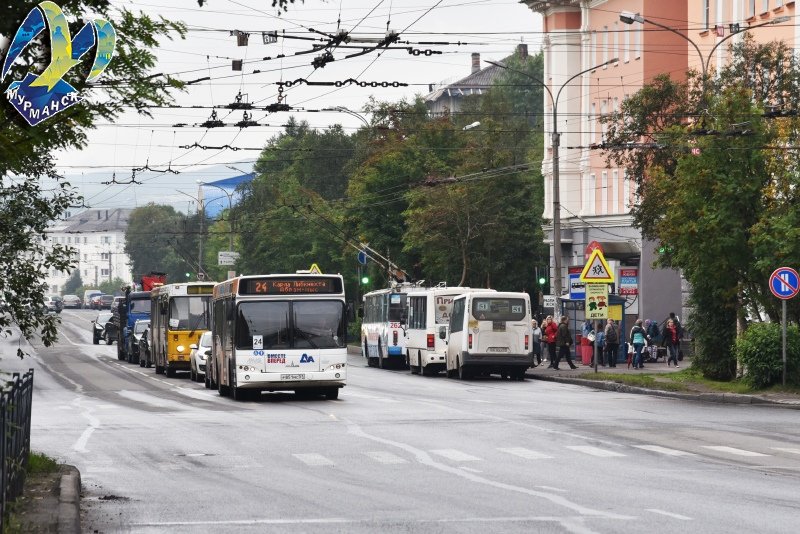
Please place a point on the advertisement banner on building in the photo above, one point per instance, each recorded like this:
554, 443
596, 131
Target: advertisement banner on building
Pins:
629, 281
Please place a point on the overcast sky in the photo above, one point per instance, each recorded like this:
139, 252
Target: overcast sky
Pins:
490, 27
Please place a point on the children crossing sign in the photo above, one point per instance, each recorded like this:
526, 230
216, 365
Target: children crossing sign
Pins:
596, 269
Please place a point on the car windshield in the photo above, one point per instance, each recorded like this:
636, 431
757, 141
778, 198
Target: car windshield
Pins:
191, 312
140, 306
205, 339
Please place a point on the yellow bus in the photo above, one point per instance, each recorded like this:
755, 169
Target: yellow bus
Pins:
179, 314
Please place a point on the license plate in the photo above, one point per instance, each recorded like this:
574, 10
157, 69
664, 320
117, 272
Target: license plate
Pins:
293, 377
497, 349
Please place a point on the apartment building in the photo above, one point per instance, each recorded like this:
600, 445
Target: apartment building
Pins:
596, 198
98, 238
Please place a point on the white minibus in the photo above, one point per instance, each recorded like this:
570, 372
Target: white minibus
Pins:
429, 326
490, 332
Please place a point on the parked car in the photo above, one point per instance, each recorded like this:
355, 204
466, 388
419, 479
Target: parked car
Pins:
198, 356
99, 327
145, 358
94, 302
87, 297
72, 301
139, 328
53, 303
105, 301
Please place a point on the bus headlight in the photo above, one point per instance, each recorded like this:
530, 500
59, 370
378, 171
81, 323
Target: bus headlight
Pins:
180, 348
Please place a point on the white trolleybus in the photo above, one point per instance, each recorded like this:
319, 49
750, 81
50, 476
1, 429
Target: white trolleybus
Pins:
382, 335
428, 327
279, 332
490, 332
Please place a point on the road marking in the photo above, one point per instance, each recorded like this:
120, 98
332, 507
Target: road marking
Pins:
595, 451
664, 450
313, 459
786, 449
139, 396
733, 450
551, 488
94, 423
62, 333
456, 456
425, 459
385, 457
471, 470
528, 454
669, 514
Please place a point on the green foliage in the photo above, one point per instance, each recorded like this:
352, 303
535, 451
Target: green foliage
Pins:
73, 284
759, 349
113, 287
39, 462
714, 192
158, 238
26, 154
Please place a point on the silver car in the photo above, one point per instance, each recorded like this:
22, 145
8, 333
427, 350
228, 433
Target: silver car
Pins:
199, 356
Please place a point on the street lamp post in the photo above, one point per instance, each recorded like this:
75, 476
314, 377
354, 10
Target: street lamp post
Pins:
628, 17
556, 141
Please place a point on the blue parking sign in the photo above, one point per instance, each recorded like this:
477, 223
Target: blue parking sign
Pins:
784, 283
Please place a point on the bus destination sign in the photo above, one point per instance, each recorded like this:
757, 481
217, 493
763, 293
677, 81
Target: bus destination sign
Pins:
291, 286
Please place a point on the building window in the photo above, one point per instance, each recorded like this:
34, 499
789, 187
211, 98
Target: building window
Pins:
616, 41
104, 256
615, 191
765, 6
85, 240
626, 191
603, 110
751, 8
626, 43
604, 192
105, 240
637, 42
104, 272
593, 47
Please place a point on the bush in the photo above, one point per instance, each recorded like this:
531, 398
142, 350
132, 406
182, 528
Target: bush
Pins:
759, 349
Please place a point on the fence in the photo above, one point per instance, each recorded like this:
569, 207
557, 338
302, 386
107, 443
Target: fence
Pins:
16, 399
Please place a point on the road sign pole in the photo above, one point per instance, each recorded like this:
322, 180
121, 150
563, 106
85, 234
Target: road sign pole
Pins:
783, 334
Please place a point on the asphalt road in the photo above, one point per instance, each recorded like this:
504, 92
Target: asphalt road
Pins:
403, 453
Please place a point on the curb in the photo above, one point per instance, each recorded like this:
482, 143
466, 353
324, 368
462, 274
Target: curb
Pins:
726, 398
69, 501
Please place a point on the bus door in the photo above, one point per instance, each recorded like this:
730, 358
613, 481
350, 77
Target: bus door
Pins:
498, 326
398, 306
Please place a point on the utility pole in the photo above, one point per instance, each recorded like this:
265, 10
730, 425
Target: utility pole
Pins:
201, 213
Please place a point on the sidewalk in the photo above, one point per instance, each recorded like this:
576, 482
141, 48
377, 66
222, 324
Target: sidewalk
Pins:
581, 376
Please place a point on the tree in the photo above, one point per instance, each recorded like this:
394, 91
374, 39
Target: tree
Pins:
74, 283
160, 239
26, 153
718, 189
113, 287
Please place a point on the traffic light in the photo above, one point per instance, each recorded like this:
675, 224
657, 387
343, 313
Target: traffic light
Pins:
542, 280
188, 275
365, 280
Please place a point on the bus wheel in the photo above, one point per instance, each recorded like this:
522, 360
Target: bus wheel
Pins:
332, 393
518, 374
159, 369
463, 372
223, 391
239, 394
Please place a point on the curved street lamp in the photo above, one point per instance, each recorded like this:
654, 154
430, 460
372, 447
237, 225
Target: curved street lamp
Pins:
556, 141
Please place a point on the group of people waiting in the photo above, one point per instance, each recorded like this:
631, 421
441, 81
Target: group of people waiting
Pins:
556, 339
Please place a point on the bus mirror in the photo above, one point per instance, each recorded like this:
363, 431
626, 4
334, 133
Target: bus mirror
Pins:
442, 333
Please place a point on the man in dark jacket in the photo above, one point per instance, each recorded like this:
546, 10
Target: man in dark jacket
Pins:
564, 342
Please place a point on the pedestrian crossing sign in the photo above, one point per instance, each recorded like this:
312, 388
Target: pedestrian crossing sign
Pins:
596, 269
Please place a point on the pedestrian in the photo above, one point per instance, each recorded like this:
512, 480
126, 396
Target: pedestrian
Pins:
677, 323
638, 338
550, 332
651, 327
672, 341
587, 329
601, 343
564, 342
536, 335
612, 342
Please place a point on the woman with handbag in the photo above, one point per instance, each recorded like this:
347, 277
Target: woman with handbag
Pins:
672, 341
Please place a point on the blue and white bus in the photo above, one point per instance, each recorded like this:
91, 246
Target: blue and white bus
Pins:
382, 326
279, 332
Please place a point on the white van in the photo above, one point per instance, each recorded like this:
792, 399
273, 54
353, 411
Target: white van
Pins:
428, 327
490, 332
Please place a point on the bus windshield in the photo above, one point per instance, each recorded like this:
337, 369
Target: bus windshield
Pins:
498, 309
191, 313
291, 325
140, 305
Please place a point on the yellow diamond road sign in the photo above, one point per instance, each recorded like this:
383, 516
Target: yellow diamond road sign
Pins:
596, 269
314, 269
